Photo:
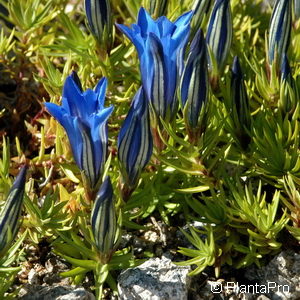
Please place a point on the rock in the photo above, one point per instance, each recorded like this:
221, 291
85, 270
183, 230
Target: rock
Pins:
151, 236
36, 274
156, 279
126, 240
33, 277
55, 293
281, 276
262, 297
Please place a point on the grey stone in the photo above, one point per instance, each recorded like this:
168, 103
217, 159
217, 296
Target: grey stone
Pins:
283, 272
55, 293
33, 277
262, 297
156, 279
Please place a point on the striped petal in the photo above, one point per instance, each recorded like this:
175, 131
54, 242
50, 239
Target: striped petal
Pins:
239, 93
194, 82
285, 69
280, 30
240, 110
104, 220
10, 213
98, 13
219, 34
200, 8
159, 80
135, 141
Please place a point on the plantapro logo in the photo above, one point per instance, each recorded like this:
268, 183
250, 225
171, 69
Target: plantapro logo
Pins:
216, 287
229, 287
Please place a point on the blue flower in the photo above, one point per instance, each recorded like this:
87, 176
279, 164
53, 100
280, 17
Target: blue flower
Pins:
219, 35
99, 19
10, 213
84, 118
194, 83
104, 221
135, 141
280, 31
160, 45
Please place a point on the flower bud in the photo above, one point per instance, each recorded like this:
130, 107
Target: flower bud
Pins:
99, 17
10, 213
240, 105
194, 85
279, 31
218, 38
104, 221
135, 141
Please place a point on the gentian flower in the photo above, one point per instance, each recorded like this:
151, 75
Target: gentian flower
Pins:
240, 108
160, 45
10, 213
194, 85
99, 19
84, 118
218, 38
135, 141
104, 221
280, 31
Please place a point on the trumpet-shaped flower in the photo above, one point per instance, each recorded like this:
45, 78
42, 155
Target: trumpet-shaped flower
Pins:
10, 213
280, 31
160, 45
219, 36
99, 19
104, 221
84, 118
135, 140
194, 83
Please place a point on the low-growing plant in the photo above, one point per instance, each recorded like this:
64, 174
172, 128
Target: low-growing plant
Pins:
191, 115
